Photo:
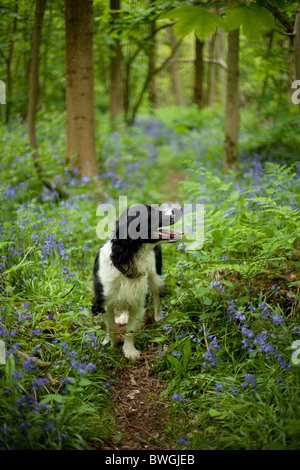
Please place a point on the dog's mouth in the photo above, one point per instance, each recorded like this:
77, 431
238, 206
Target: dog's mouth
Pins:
168, 235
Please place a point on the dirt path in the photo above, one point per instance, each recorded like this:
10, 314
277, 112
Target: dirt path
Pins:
141, 414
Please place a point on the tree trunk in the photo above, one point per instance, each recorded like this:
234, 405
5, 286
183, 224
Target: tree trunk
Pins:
212, 85
232, 101
267, 72
297, 44
152, 65
148, 78
175, 75
198, 86
116, 95
34, 96
34, 76
80, 150
8, 67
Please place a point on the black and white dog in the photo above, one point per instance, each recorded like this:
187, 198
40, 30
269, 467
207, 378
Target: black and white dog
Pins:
127, 264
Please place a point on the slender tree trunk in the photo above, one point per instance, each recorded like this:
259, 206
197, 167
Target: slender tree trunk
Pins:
267, 72
152, 65
9, 86
80, 151
34, 96
297, 44
34, 76
220, 71
212, 86
116, 95
175, 75
147, 81
198, 85
48, 34
232, 102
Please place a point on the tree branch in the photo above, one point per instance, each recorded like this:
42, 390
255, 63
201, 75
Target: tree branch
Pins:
148, 78
280, 16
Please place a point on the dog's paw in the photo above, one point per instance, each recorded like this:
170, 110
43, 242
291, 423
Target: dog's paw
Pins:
130, 352
122, 319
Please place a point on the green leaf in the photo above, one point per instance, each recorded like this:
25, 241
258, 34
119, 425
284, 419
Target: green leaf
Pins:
227, 283
84, 381
252, 19
19, 266
207, 301
55, 397
191, 18
158, 339
10, 366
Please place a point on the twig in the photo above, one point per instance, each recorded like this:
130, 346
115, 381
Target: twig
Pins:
230, 332
205, 338
50, 378
36, 359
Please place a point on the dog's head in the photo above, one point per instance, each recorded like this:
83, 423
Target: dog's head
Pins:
143, 223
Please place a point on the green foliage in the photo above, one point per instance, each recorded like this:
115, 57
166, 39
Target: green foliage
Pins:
229, 320
191, 18
252, 18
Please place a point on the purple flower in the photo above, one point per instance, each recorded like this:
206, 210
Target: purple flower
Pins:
176, 354
249, 380
277, 319
36, 384
177, 397
183, 440
240, 315
247, 332
16, 375
29, 365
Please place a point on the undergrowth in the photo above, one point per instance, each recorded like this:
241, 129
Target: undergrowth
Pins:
226, 340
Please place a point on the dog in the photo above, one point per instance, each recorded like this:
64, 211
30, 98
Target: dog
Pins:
127, 265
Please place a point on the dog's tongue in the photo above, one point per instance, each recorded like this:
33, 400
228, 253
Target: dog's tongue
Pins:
169, 234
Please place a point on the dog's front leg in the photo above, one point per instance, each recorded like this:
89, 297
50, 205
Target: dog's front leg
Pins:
135, 321
156, 284
109, 320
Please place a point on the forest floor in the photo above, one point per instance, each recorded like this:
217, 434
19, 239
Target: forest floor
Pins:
141, 414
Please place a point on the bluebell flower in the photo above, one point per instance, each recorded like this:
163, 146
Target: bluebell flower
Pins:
240, 315
249, 380
183, 440
36, 384
176, 354
178, 397
277, 319
247, 332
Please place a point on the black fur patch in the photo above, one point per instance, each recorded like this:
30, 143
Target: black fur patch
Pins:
97, 303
